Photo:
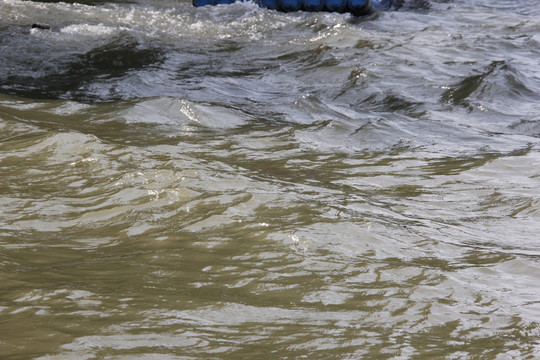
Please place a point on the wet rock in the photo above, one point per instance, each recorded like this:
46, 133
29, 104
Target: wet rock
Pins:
41, 26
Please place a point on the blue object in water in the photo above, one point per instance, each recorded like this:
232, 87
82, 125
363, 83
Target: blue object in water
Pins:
269, 4
359, 7
290, 5
335, 5
313, 5
198, 3
356, 7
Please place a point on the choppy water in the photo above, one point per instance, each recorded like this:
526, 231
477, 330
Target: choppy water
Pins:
236, 183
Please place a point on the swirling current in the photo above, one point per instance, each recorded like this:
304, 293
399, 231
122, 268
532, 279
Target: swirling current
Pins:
232, 182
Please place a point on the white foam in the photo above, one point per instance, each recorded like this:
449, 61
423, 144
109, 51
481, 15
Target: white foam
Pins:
90, 30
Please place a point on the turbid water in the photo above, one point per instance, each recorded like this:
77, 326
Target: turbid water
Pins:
231, 182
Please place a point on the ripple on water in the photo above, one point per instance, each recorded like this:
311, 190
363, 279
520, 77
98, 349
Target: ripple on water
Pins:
233, 182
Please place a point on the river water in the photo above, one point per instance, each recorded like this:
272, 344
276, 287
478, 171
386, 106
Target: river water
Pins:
232, 182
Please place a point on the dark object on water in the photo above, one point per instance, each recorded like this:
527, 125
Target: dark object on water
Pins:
336, 5
41, 26
359, 7
356, 7
312, 5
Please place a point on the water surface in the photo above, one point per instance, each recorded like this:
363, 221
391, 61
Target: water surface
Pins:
231, 182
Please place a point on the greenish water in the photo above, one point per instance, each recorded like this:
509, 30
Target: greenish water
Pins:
236, 183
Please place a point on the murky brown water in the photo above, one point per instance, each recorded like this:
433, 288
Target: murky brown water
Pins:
321, 190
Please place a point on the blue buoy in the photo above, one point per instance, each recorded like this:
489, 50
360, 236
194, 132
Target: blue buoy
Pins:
313, 5
335, 5
356, 7
290, 5
198, 3
359, 7
269, 4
